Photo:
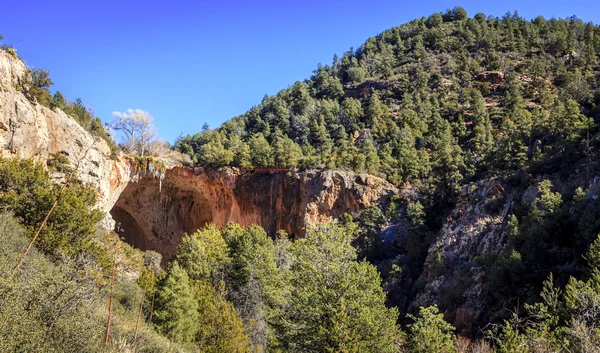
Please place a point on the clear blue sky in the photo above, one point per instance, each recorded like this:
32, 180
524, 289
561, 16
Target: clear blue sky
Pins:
190, 62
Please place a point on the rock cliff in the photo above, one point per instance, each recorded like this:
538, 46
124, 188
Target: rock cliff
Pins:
29, 130
475, 228
153, 213
154, 217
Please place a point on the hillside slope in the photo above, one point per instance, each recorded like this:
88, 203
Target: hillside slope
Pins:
492, 120
486, 127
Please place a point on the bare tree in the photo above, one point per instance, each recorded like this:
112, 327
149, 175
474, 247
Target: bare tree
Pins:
137, 129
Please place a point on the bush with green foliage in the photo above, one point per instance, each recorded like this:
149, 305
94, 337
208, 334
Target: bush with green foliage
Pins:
57, 299
27, 190
332, 291
565, 320
430, 332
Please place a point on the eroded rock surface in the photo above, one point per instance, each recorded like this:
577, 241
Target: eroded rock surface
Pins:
476, 227
154, 217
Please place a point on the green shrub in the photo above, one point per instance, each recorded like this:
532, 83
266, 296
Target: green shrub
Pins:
59, 162
430, 332
12, 51
26, 189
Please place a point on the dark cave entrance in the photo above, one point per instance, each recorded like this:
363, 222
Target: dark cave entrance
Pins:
128, 229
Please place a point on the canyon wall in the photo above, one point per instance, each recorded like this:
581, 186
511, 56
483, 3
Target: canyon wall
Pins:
452, 273
152, 214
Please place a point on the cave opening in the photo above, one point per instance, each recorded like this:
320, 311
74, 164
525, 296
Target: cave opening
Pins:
149, 217
129, 229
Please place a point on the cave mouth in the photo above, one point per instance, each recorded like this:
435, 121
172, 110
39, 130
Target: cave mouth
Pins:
129, 229
150, 217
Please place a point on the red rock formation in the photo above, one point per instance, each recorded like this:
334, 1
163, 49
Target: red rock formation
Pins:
156, 220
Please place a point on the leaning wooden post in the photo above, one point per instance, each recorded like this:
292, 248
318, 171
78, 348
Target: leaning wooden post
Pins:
152, 306
112, 283
137, 324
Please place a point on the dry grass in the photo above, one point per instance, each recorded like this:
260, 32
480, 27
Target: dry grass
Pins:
466, 345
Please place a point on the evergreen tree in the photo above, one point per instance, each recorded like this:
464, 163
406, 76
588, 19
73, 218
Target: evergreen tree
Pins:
352, 114
344, 338
241, 152
431, 333
256, 284
482, 139
176, 313
261, 154
220, 330
325, 276
204, 254
448, 160
287, 153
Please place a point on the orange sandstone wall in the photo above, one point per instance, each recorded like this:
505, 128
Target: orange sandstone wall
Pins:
154, 217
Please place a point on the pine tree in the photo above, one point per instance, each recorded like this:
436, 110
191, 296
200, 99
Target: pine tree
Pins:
204, 254
324, 275
241, 152
593, 255
287, 153
448, 158
261, 154
343, 337
219, 329
482, 140
256, 285
430, 332
176, 313
375, 114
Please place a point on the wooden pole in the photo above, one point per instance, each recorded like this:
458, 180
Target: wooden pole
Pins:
137, 324
18, 265
112, 283
152, 306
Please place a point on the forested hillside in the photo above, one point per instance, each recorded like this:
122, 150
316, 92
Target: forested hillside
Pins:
437, 104
488, 125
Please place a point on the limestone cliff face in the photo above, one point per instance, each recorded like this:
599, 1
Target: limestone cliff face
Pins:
30, 130
153, 214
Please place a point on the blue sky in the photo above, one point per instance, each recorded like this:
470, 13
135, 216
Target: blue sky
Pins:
190, 62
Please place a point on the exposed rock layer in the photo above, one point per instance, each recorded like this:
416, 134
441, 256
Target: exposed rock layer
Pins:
154, 217
475, 228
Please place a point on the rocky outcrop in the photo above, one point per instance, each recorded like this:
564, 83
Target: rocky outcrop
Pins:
364, 89
493, 77
29, 130
152, 214
476, 227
